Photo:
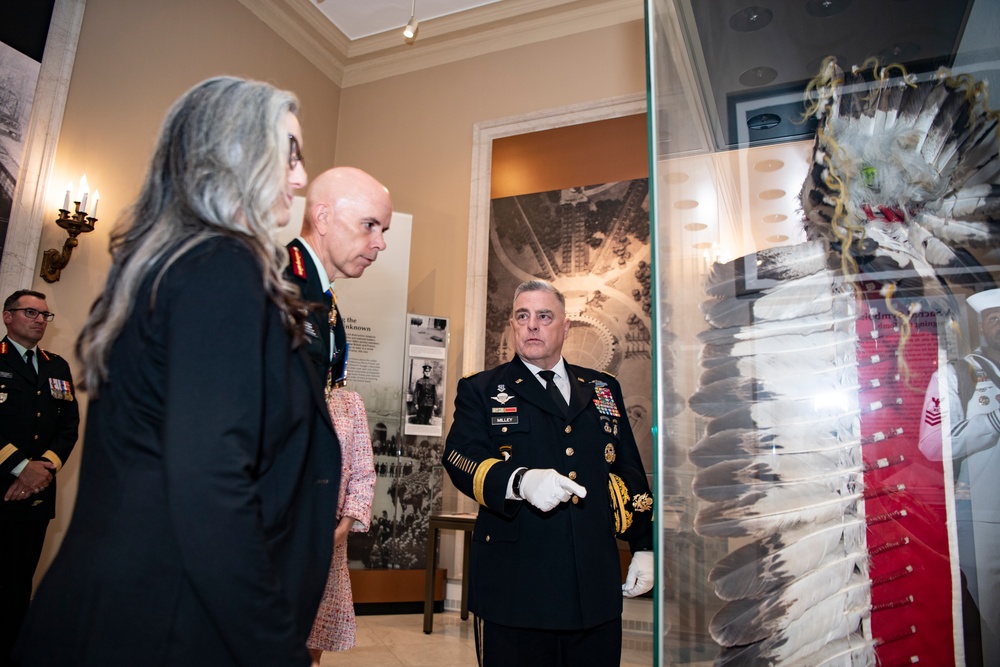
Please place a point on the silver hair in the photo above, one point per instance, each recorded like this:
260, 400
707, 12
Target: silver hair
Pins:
539, 286
218, 169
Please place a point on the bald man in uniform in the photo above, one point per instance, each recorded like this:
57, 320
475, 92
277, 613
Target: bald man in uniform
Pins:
347, 215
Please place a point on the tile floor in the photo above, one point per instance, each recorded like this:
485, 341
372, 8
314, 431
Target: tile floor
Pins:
399, 641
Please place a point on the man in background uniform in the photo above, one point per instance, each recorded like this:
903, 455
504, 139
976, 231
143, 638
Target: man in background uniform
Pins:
425, 397
39, 422
973, 388
347, 213
540, 444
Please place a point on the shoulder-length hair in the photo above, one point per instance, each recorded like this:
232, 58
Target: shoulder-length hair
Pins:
218, 170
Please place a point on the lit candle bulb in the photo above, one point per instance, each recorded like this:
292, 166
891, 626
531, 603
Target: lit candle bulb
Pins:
69, 193
84, 193
97, 198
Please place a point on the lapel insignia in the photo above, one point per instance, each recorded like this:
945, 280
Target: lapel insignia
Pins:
297, 263
501, 397
505, 452
3, 347
518, 380
609, 453
614, 429
44, 354
605, 402
3, 396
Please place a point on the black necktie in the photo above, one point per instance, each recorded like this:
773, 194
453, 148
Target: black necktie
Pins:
553, 390
29, 358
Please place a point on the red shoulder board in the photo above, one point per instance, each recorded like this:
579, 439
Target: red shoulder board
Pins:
298, 264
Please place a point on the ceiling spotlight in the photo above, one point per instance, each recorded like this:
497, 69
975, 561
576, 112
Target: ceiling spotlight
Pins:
410, 31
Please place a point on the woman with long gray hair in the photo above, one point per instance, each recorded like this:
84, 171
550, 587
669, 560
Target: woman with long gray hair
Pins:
203, 525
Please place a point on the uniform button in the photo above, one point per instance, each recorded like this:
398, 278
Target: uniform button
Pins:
576, 499
487, 538
572, 474
36, 437
569, 451
38, 414
569, 429
503, 430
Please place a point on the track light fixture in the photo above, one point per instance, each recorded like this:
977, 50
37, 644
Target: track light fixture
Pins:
410, 31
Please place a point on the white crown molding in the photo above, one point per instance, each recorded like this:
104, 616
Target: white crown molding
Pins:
439, 41
308, 31
430, 51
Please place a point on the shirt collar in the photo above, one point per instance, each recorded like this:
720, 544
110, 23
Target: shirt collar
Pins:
559, 368
17, 346
324, 279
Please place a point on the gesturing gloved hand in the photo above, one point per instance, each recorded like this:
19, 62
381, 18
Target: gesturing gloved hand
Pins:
640, 574
545, 489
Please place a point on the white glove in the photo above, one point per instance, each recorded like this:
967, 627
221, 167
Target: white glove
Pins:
545, 489
640, 574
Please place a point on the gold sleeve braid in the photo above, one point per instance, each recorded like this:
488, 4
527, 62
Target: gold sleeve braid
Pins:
50, 455
7, 451
479, 479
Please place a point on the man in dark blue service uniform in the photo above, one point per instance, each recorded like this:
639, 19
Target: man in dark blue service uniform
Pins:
547, 451
39, 422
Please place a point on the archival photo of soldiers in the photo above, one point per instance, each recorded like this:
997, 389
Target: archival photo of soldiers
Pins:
18, 77
407, 492
425, 397
592, 243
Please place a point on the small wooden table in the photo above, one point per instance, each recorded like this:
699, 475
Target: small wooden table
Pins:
438, 522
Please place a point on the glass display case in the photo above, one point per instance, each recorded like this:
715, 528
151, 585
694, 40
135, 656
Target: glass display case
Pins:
825, 188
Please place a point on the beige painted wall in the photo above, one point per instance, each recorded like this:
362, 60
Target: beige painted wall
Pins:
415, 131
134, 59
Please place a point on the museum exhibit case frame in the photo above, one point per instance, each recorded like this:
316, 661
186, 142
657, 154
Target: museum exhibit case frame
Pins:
824, 184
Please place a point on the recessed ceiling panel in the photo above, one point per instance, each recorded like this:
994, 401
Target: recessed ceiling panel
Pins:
758, 55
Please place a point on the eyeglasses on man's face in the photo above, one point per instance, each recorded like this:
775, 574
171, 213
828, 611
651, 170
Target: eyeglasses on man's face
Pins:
294, 153
32, 313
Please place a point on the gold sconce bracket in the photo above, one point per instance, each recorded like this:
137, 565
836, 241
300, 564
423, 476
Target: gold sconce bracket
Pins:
54, 261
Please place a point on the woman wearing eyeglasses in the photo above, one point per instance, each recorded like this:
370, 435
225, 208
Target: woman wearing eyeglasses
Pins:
204, 520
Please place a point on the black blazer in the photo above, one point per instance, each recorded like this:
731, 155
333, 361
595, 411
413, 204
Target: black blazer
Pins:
557, 570
203, 526
39, 418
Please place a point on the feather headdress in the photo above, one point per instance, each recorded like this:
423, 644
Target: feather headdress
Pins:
804, 361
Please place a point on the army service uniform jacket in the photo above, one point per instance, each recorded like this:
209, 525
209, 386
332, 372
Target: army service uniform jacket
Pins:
556, 570
39, 419
303, 273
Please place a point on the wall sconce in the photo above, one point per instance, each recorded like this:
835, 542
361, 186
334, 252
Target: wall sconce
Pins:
76, 223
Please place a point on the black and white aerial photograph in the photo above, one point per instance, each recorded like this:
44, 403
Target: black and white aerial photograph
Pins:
18, 77
592, 243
